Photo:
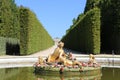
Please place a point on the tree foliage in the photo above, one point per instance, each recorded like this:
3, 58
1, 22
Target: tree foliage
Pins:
110, 34
90, 4
9, 26
85, 36
9, 20
20, 30
33, 36
109, 22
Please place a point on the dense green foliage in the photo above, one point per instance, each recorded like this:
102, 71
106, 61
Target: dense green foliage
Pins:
85, 36
75, 21
110, 35
109, 27
9, 46
20, 30
2, 45
90, 4
9, 22
33, 37
9, 27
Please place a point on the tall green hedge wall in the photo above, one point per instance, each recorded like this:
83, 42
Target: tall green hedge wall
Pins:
109, 26
33, 37
85, 36
9, 27
21, 32
9, 20
2, 45
90, 4
110, 35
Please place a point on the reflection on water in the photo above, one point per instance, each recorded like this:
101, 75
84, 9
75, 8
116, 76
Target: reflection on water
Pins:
68, 77
17, 74
110, 74
62, 77
86, 75
28, 74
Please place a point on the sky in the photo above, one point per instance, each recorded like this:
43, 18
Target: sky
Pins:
55, 15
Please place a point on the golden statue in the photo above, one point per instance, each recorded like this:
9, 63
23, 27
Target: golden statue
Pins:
60, 56
40, 60
92, 59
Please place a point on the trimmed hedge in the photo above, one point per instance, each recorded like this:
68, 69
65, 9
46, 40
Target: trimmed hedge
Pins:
85, 36
33, 37
109, 26
9, 46
20, 30
90, 4
110, 37
9, 20
9, 27
2, 46
12, 46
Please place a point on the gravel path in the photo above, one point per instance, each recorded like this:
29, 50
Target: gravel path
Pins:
29, 60
44, 52
50, 50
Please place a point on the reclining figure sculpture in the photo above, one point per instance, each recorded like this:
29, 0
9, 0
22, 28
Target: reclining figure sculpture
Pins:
60, 56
